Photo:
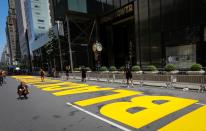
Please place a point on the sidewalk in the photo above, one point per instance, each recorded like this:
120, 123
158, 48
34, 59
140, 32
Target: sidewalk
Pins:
178, 85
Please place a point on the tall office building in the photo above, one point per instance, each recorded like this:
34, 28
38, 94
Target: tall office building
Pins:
5, 56
12, 34
38, 18
84, 21
143, 32
21, 24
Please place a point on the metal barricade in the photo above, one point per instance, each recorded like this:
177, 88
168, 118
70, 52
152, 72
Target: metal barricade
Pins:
171, 80
141, 82
202, 85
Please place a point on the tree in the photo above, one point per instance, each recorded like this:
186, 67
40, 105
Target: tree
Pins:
51, 47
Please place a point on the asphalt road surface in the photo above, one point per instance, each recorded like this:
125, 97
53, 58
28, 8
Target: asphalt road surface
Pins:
56, 105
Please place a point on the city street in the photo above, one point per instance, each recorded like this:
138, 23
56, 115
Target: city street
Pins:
56, 105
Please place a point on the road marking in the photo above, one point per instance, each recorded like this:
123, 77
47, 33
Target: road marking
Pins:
150, 113
200, 104
100, 118
88, 89
59, 88
193, 121
116, 94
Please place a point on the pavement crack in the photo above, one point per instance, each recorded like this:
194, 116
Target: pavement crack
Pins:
56, 116
72, 113
35, 117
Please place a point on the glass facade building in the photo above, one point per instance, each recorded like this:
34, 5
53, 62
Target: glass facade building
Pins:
144, 31
21, 24
38, 18
161, 32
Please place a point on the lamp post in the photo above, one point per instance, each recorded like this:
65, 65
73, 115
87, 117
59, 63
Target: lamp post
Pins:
130, 53
59, 45
69, 42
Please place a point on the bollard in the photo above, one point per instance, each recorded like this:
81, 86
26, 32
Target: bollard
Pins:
113, 76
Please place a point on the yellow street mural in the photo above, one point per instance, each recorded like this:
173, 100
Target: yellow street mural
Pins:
118, 94
150, 113
148, 109
194, 121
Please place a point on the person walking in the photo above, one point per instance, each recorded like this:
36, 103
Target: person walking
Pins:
1, 77
128, 74
4, 76
67, 71
42, 74
84, 74
54, 72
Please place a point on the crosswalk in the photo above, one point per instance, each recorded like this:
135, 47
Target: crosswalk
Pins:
150, 112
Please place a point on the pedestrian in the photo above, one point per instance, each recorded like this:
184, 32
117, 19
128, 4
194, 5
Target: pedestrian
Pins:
128, 75
42, 74
84, 74
54, 72
22, 90
4, 76
67, 71
1, 77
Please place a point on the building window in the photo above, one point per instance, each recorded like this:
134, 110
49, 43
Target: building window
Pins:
36, 6
39, 20
78, 5
41, 27
37, 13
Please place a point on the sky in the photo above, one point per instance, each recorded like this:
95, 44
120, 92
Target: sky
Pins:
3, 15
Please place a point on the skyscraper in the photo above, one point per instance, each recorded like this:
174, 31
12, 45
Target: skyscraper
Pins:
5, 56
21, 24
37, 17
12, 32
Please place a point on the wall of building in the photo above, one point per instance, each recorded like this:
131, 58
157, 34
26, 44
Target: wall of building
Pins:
167, 23
159, 27
12, 33
21, 24
41, 16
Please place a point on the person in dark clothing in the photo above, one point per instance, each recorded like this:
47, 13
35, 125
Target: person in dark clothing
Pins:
128, 73
84, 75
1, 78
22, 90
54, 72
67, 71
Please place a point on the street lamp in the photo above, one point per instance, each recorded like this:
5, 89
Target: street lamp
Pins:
60, 31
